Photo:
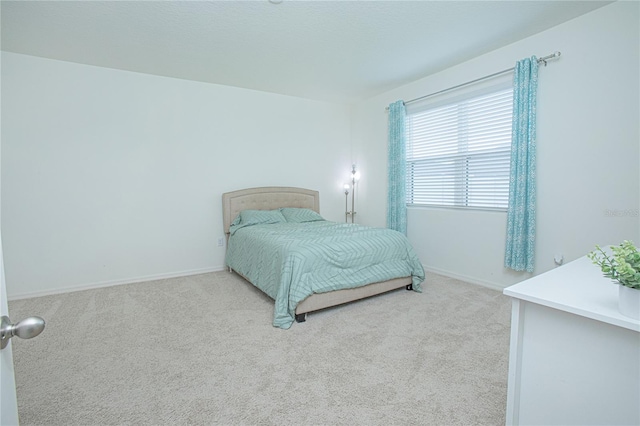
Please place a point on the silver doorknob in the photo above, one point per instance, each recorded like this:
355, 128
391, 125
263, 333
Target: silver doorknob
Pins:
25, 329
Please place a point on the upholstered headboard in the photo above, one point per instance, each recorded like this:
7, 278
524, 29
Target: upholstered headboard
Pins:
266, 198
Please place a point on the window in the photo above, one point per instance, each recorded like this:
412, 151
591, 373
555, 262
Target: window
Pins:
458, 154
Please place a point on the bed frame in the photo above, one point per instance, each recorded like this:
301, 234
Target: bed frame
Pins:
270, 198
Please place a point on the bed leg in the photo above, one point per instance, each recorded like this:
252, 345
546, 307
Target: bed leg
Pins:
301, 317
410, 287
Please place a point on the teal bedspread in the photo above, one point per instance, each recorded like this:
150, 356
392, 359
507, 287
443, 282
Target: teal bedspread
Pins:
291, 261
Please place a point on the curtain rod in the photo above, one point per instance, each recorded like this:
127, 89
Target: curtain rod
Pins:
544, 60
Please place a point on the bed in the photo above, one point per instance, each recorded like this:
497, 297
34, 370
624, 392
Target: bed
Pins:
277, 256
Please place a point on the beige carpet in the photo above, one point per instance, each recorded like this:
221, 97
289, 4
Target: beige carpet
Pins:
201, 350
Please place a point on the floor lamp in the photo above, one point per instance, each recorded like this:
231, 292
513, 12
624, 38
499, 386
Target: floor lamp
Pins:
355, 176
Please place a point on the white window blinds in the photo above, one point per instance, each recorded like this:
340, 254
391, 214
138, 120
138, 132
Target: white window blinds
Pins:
458, 154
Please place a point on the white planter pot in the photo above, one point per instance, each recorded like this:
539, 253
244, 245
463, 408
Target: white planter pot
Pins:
629, 302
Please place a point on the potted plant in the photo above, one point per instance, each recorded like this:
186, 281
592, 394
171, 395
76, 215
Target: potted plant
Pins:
622, 264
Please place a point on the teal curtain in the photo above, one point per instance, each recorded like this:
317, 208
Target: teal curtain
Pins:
521, 213
396, 198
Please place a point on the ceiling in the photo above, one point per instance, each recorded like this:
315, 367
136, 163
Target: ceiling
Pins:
337, 51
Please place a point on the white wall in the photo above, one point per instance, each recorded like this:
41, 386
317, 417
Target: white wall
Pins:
111, 176
588, 150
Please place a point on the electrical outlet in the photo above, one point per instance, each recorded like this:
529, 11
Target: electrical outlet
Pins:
558, 259
221, 242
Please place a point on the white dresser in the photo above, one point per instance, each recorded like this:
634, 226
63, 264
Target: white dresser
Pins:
574, 359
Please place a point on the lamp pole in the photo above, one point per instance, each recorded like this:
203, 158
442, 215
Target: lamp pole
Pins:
354, 178
346, 203
353, 195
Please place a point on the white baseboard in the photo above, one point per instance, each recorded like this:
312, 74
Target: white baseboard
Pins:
465, 278
110, 283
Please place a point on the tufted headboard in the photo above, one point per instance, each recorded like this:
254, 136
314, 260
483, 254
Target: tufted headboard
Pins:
266, 198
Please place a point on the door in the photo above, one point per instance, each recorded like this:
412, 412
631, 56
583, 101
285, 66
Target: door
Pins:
8, 402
